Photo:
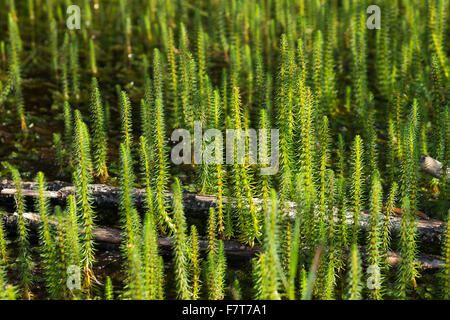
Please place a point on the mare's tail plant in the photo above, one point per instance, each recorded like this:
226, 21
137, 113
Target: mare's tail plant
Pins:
354, 276
74, 66
267, 265
48, 253
15, 72
374, 243
159, 145
150, 258
357, 184
195, 264
125, 113
99, 133
109, 290
24, 258
131, 222
181, 251
7, 291
306, 165
446, 269
385, 233
216, 263
407, 272
82, 178
3, 244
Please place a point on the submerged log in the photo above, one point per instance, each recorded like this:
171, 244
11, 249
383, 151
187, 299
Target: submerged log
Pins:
430, 232
111, 238
433, 167
109, 196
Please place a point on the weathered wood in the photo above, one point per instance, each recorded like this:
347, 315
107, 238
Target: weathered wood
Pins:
233, 249
433, 167
112, 237
430, 232
426, 261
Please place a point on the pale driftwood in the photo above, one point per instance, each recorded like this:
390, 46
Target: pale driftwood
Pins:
430, 232
433, 167
112, 238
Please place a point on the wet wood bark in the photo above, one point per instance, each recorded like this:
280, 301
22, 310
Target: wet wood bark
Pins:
111, 238
431, 232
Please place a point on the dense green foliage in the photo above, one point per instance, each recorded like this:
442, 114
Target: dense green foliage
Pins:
355, 107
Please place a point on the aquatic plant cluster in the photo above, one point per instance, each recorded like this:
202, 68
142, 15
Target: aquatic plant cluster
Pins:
355, 108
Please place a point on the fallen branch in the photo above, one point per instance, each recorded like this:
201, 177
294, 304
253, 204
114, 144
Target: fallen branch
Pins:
430, 232
433, 167
112, 237
107, 196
